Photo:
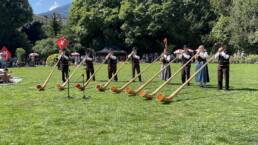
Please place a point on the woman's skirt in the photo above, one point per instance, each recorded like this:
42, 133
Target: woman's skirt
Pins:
166, 73
203, 75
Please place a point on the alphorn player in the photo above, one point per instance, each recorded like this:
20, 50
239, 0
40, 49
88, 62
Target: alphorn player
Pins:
223, 65
64, 64
135, 63
185, 56
201, 58
165, 74
112, 64
89, 64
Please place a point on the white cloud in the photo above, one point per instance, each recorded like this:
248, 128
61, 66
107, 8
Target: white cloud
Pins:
39, 3
53, 6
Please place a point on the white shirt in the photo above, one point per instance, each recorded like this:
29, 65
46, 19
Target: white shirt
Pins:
167, 57
88, 58
223, 54
136, 56
66, 57
203, 55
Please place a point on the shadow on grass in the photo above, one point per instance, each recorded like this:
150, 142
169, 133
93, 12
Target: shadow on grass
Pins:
198, 98
243, 89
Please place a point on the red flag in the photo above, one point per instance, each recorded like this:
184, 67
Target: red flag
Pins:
62, 42
6, 54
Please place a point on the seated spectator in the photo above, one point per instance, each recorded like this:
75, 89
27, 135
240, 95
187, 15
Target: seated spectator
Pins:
5, 77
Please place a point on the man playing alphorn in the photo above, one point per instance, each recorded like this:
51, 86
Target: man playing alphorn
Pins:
223, 66
89, 64
64, 64
112, 65
185, 56
135, 63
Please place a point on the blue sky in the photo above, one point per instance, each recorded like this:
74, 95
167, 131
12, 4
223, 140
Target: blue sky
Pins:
40, 6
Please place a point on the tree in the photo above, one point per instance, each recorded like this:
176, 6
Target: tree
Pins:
96, 23
20, 53
34, 31
13, 15
46, 47
237, 24
55, 25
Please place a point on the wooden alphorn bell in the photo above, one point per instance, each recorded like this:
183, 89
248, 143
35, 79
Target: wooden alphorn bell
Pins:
134, 92
78, 86
114, 89
162, 98
61, 87
41, 87
148, 96
101, 87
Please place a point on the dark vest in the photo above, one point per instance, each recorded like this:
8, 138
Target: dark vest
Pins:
201, 59
164, 61
112, 62
222, 61
89, 64
135, 61
185, 60
64, 63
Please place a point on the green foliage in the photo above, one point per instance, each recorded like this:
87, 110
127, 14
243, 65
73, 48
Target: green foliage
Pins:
13, 15
52, 59
20, 53
55, 25
251, 59
34, 31
46, 47
237, 24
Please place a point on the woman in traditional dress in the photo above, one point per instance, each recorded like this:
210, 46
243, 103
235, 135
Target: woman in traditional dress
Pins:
203, 76
165, 59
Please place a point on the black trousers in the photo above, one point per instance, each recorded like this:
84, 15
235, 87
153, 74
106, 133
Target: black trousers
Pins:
111, 72
185, 74
223, 71
65, 74
136, 68
89, 72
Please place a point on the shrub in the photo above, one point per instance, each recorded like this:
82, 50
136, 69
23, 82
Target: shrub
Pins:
52, 59
20, 53
251, 59
46, 47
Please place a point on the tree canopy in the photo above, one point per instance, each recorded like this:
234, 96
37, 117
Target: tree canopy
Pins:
13, 15
144, 23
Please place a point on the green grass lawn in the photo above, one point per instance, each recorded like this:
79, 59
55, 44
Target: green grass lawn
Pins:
197, 115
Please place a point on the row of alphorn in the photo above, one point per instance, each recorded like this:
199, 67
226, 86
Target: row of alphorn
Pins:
139, 91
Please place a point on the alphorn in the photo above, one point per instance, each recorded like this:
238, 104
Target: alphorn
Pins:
114, 89
162, 98
61, 87
101, 87
134, 92
148, 96
41, 87
81, 88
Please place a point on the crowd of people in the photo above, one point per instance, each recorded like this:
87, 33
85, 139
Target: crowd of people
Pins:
185, 55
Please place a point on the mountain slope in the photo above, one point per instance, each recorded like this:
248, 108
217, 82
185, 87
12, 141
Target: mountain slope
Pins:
63, 11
